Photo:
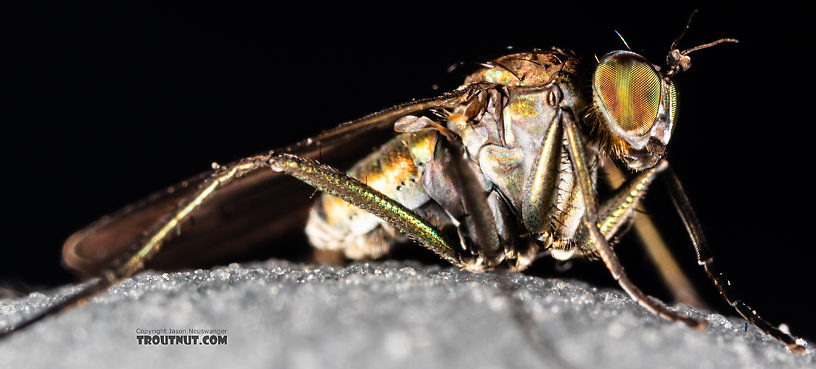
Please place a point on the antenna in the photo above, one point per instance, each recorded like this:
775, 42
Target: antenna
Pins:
679, 61
683, 32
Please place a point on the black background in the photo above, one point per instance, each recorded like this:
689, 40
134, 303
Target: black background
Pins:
103, 104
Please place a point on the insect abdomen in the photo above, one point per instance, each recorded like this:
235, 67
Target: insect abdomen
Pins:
396, 171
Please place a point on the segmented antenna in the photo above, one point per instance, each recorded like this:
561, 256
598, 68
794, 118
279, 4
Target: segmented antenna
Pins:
679, 61
710, 44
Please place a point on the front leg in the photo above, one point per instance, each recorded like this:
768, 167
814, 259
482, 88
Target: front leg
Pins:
618, 211
591, 221
706, 260
679, 285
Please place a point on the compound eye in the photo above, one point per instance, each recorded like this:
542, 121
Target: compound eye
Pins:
628, 88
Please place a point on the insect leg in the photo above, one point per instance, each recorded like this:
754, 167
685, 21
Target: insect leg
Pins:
481, 223
619, 209
673, 277
334, 182
322, 177
706, 259
135, 260
590, 219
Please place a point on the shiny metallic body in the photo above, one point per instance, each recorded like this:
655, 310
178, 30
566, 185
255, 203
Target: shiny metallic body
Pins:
507, 165
515, 148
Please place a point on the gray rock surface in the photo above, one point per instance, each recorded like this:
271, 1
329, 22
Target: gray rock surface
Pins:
376, 315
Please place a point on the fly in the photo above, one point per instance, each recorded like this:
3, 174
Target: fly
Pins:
500, 171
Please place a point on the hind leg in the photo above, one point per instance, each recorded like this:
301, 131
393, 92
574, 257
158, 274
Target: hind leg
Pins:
359, 194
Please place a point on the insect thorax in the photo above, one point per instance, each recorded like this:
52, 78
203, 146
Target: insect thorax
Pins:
521, 148
505, 130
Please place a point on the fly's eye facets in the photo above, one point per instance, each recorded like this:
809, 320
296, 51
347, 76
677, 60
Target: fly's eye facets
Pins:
628, 89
